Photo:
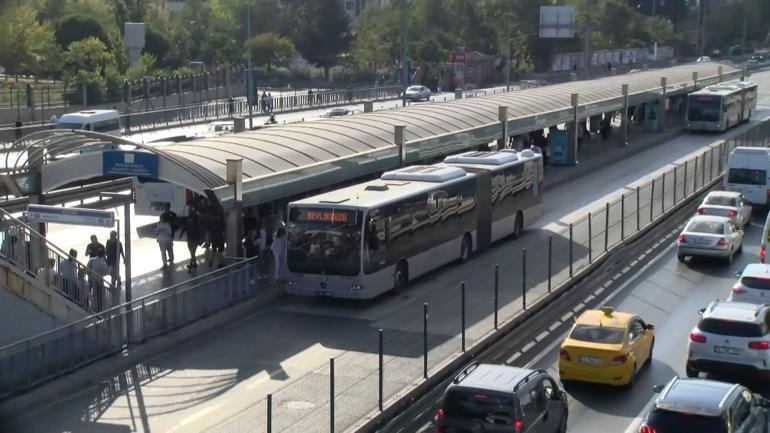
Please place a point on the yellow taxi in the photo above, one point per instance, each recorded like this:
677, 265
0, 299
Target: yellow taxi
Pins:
606, 346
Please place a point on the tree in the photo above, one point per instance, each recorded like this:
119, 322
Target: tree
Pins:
27, 45
376, 45
88, 63
157, 44
76, 27
270, 49
322, 32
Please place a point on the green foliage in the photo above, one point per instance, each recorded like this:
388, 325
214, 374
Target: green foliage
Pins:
144, 68
26, 44
322, 32
376, 44
157, 44
89, 63
76, 27
270, 49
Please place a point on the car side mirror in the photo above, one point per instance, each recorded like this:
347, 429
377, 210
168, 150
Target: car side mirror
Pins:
701, 311
649, 327
761, 401
658, 388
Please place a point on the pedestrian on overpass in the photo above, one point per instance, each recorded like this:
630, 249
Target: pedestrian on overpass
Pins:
114, 251
165, 237
68, 274
99, 271
94, 247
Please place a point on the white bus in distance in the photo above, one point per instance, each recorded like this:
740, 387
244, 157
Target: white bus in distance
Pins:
721, 106
363, 240
104, 121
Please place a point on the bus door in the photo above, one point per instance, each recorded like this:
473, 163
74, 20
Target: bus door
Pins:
484, 197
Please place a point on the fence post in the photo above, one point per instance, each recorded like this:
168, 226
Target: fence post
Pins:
663, 193
695, 176
622, 217
270, 413
638, 209
590, 250
676, 167
684, 195
703, 171
524, 278
462, 314
570, 250
331, 395
382, 372
606, 226
425, 340
652, 197
550, 261
497, 286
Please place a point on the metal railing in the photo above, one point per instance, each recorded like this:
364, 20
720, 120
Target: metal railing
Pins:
387, 363
34, 360
31, 254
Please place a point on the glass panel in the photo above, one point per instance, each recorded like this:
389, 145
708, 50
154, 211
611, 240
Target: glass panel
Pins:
324, 241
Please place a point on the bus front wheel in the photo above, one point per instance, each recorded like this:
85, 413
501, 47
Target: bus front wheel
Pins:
401, 277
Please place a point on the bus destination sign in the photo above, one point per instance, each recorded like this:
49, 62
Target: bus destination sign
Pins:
328, 215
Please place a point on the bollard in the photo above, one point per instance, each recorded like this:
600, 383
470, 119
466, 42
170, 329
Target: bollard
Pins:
524, 278
684, 195
497, 285
622, 217
652, 196
590, 251
550, 261
331, 395
638, 209
675, 170
425, 340
462, 314
382, 372
270, 413
570, 250
606, 226
663, 194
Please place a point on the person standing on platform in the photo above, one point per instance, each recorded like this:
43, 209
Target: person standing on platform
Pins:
279, 254
165, 237
193, 238
94, 247
114, 249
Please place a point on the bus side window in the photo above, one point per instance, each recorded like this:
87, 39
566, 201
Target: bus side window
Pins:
377, 234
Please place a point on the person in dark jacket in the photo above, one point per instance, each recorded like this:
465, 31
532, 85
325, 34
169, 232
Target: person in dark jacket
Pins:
194, 237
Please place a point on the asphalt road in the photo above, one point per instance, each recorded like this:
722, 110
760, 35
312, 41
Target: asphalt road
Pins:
285, 349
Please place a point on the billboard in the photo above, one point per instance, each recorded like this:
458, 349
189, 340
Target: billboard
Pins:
557, 21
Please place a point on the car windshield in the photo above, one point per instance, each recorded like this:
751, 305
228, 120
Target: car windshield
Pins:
597, 334
663, 421
492, 408
756, 283
731, 327
69, 125
324, 241
746, 176
706, 227
720, 200
704, 108
414, 88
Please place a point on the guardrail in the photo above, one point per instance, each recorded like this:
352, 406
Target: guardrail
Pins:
360, 385
32, 361
76, 194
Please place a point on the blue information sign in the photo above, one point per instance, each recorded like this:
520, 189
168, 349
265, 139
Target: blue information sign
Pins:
558, 147
120, 163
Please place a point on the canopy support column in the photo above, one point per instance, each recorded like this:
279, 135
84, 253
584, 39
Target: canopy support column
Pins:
234, 226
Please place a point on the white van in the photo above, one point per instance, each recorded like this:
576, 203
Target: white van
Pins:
747, 172
104, 121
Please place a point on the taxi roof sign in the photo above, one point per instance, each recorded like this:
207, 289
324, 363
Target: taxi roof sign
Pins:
607, 310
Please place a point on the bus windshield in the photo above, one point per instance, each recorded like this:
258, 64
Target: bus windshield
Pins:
324, 241
704, 108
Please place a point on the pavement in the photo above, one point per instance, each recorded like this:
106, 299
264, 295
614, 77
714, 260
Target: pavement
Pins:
220, 379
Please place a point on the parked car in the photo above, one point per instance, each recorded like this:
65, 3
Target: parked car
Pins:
606, 346
730, 337
700, 406
417, 93
730, 204
499, 398
710, 236
702, 59
337, 112
753, 285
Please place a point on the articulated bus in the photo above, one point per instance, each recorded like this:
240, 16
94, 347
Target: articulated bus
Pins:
721, 106
363, 240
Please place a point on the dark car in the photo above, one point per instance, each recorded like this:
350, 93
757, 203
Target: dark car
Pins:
502, 399
700, 405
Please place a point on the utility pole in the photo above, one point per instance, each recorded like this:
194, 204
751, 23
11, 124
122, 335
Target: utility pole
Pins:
404, 50
508, 67
248, 75
587, 49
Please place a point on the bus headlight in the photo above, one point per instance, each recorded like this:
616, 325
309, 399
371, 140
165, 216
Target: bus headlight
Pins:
291, 283
356, 288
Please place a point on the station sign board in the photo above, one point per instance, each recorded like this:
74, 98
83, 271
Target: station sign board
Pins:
37, 213
128, 163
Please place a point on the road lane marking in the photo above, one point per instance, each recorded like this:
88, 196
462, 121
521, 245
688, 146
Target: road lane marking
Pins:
554, 326
542, 336
513, 358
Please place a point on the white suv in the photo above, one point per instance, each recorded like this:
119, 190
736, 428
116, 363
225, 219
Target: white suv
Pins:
753, 286
731, 337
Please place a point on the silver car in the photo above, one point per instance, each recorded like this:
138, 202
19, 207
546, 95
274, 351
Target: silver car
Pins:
709, 236
417, 93
753, 286
731, 337
728, 204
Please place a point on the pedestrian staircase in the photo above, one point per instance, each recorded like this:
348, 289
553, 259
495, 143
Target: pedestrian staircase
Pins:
40, 283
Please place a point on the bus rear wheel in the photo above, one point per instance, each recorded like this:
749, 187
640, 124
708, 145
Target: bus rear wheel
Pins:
401, 277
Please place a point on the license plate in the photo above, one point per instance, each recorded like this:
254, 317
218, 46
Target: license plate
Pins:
591, 360
728, 350
702, 241
324, 293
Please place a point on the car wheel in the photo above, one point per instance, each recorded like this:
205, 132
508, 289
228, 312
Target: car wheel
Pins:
466, 249
649, 358
563, 423
401, 277
729, 258
680, 257
690, 372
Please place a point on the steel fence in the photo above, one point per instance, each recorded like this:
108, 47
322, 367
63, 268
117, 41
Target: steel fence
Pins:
29, 362
387, 363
